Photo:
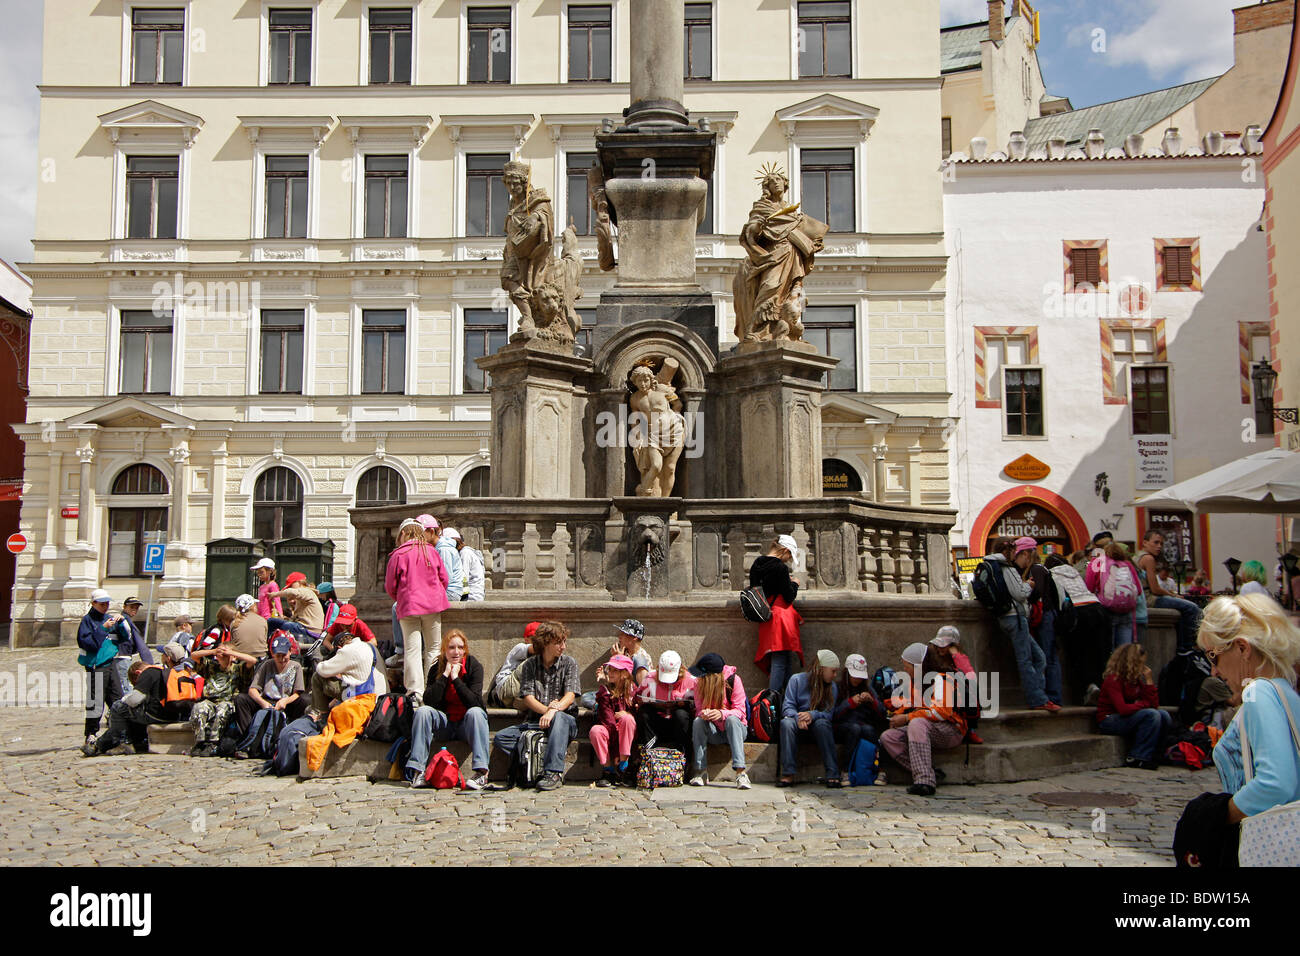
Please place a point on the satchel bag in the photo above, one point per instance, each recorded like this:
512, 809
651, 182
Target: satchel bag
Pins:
1271, 838
753, 604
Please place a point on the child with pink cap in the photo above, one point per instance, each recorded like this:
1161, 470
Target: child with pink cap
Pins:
616, 708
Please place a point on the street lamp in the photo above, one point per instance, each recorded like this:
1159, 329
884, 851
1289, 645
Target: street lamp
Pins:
1180, 571
1233, 566
1264, 379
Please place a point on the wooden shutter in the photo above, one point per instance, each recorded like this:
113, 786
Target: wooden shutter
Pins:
1178, 265
1085, 264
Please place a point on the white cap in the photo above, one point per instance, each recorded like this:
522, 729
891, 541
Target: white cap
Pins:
451, 533
244, 602
264, 563
914, 654
670, 667
100, 596
787, 541
947, 636
856, 665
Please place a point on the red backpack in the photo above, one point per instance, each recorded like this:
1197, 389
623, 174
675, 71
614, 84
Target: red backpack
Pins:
443, 772
765, 715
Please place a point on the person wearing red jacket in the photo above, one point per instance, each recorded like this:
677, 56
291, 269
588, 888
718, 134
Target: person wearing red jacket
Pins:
1129, 706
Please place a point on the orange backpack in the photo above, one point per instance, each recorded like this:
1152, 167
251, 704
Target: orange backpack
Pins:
183, 685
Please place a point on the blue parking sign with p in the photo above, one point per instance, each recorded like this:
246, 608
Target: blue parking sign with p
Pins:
154, 554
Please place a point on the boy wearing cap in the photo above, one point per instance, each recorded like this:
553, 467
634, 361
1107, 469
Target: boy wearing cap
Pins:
277, 684
548, 689
268, 601
103, 686
667, 708
806, 711
630, 635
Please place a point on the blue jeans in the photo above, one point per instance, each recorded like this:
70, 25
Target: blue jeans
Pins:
705, 732
1030, 660
1121, 629
1189, 619
820, 731
274, 624
562, 731
1142, 730
1046, 638
431, 724
782, 666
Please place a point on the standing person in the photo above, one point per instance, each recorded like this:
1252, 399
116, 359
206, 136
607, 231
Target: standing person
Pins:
548, 690
667, 708
329, 602
1043, 589
453, 709
806, 711
416, 579
471, 566
1254, 647
1129, 706
447, 550
778, 639
135, 643
1091, 633
268, 600
616, 707
98, 650
249, 630
1189, 615
916, 729
1115, 580
719, 717
859, 714
1014, 624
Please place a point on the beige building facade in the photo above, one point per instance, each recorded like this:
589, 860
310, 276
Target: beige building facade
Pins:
268, 245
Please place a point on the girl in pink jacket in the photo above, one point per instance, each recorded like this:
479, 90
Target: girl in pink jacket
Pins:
719, 717
416, 580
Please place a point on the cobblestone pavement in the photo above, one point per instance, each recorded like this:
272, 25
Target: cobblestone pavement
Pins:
62, 808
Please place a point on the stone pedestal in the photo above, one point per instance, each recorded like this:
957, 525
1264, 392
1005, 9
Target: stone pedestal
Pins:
538, 406
769, 400
620, 308
657, 218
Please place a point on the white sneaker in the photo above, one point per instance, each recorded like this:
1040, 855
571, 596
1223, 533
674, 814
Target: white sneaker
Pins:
699, 780
418, 782
395, 661
742, 781
476, 782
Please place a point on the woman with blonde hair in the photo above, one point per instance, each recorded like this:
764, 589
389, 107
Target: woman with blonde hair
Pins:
453, 709
719, 717
416, 580
1129, 706
1254, 647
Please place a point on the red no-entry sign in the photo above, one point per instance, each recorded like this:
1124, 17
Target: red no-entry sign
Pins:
16, 543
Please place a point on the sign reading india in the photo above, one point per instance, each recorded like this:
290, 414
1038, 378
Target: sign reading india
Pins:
1027, 468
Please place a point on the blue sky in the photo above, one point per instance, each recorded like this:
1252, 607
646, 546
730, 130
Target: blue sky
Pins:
1149, 44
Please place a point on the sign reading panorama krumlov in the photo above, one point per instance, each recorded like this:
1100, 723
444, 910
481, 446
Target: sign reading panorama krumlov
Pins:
1155, 461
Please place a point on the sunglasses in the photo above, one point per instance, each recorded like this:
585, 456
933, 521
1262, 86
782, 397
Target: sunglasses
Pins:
1213, 656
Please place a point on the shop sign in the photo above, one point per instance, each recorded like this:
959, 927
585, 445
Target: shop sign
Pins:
1027, 468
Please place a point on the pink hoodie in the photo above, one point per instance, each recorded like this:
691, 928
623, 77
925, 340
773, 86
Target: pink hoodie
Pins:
417, 580
733, 708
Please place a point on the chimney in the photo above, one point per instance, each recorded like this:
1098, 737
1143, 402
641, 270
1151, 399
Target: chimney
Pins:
1250, 142
1095, 145
979, 148
997, 22
1056, 148
1018, 146
1212, 143
1262, 16
1172, 143
1133, 145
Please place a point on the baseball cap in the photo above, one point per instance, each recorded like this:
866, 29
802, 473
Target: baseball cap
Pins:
708, 664
670, 667
174, 652
100, 596
182, 619
827, 658
1026, 544
264, 563
914, 654
280, 643
244, 602
409, 523
132, 600
787, 541
427, 522
296, 578
621, 662
451, 533
947, 636
856, 665
347, 616
325, 587
1101, 536
632, 628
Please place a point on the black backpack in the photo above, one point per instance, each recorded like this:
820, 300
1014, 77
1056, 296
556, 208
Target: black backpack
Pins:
391, 719
882, 682
1187, 670
753, 604
990, 588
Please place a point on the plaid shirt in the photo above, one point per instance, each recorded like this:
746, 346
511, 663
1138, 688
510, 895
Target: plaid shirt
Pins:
550, 684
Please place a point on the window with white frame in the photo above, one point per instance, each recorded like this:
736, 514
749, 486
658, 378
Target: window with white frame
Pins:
1132, 347
157, 46
1150, 399
1002, 351
286, 197
290, 47
146, 353
383, 351
581, 215
833, 329
131, 528
488, 44
282, 351
705, 226
390, 46
152, 196
277, 505
486, 199
486, 331
826, 187
582, 340
1022, 401
591, 43
697, 44
825, 38
386, 197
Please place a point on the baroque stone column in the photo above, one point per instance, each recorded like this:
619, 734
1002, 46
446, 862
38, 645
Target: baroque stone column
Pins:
85, 492
656, 73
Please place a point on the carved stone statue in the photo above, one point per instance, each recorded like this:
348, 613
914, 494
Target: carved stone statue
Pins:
543, 288
779, 243
660, 433
604, 228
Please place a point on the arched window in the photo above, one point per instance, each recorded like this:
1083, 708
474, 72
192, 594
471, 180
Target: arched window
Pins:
277, 505
475, 482
839, 477
379, 486
131, 528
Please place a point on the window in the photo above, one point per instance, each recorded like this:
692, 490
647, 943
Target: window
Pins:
833, 329
157, 46
705, 226
486, 199
383, 347
286, 197
277, 505
580, 212
698, 45
1086, 266
1131, 347
386, 184
390, 46
282, 351
146, 353
130, 529
839, 477
1001, 351
489, 44
946, 134
1024, 402
590, 43
475, 484
826, 186
485, 332
381, 486
290, 46
140, 480
152, 192
1178, 265
825, 48
582, 341
1150, 388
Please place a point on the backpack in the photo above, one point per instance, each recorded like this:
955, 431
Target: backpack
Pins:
443, 772
970, 709
183, 685
1180, 681
753, 604
1190, 749
661, 767
1067, 618
1118, 590
529, 756
764, 715
864, 765
990, 587
882, 682
391, 719
263, 734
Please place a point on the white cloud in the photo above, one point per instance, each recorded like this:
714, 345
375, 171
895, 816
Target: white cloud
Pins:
1175, 40
19, 117
963, 11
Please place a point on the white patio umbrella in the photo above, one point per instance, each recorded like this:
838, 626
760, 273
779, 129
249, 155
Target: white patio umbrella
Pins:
1267, 482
